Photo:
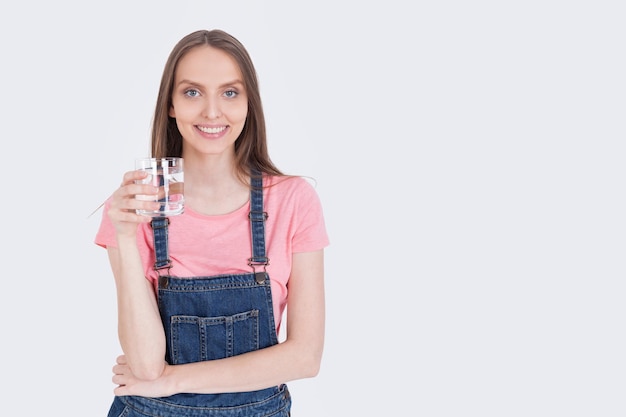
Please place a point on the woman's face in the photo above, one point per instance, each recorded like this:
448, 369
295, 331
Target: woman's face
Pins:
209, 101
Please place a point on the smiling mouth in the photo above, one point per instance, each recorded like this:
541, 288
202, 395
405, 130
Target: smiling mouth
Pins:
212, 129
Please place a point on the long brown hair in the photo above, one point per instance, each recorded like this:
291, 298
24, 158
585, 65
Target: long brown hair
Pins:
251, 152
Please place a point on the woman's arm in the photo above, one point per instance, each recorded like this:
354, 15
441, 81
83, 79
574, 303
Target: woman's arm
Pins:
299, 356
139, 326
140, 330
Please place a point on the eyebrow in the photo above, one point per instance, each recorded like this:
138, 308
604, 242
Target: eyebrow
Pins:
234, 82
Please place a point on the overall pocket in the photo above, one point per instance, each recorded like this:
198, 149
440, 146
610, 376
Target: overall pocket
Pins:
195, 339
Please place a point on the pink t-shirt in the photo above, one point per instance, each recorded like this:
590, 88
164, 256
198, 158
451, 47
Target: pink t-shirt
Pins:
201, 245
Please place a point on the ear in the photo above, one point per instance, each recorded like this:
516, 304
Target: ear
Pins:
172, 113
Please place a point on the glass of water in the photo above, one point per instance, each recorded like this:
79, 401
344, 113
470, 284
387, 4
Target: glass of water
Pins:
168, 175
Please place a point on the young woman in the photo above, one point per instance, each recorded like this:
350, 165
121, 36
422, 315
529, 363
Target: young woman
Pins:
200, 295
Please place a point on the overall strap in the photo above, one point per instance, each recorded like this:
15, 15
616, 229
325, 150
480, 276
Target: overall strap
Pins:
159, 230
257, 227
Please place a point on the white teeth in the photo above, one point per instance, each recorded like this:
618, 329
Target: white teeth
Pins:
212, 129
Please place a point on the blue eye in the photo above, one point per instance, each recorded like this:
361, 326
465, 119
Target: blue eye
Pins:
192, 93
231, 94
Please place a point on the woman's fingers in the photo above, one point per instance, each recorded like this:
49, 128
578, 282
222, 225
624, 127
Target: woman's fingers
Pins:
131, 196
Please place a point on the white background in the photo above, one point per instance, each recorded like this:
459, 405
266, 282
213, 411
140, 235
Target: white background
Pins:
469, 157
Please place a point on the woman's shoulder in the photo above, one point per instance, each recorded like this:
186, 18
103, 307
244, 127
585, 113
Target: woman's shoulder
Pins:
290, 185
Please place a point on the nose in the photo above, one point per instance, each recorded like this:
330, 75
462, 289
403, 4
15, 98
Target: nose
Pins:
212, 108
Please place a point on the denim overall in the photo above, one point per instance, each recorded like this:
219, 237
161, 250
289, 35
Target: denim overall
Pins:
214, 317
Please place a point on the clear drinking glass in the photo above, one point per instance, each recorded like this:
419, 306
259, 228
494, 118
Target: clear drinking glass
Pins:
167, 174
